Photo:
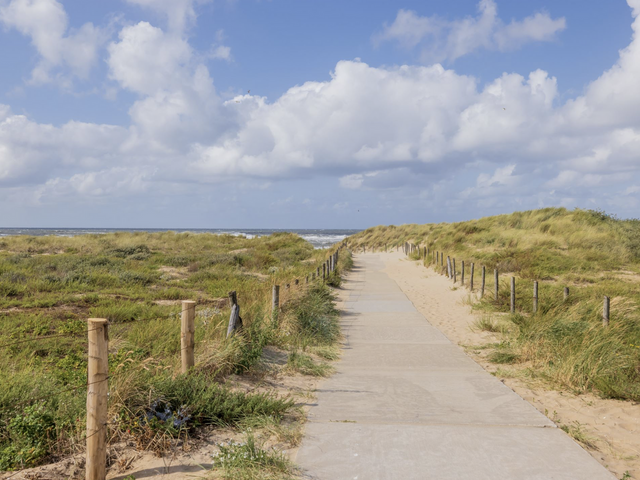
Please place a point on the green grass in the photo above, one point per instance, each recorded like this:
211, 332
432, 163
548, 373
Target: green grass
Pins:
300, 362
49, 286
590, 252
248, 460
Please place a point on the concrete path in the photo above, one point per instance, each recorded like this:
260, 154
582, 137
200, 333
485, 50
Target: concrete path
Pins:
406, 403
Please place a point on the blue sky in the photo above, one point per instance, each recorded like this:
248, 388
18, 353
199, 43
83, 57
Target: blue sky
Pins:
136, 113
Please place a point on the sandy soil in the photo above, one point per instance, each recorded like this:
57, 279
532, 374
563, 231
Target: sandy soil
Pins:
613, 425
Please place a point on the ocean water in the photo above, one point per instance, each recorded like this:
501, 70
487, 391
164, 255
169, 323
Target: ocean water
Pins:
321, 238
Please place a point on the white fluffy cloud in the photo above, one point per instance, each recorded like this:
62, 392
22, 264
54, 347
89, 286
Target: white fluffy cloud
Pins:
46, 23
448, 40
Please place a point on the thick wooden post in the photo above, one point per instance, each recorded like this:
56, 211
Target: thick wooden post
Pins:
535, 296
605, 312
275, 299
462, 273
484, 271
97, 390
187, 336
235, 320
471, 277
455, 273
513, 294
566, 293
497, 286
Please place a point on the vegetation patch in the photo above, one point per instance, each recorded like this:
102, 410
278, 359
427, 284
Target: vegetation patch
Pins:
49, 286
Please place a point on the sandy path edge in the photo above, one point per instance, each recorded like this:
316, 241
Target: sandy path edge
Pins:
613, 424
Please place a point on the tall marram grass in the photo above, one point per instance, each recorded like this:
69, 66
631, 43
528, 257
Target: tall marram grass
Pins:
592, 253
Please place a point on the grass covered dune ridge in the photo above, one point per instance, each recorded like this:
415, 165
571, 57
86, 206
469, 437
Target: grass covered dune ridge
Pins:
564, 342
49, 286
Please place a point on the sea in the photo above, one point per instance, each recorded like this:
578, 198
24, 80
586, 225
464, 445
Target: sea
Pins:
319, 238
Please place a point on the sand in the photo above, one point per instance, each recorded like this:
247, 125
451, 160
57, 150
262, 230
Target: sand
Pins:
614, 425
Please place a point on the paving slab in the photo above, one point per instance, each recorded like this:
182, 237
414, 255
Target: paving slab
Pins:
401, 334
454, 398
341, 451
385, 318
365, 306
433, 357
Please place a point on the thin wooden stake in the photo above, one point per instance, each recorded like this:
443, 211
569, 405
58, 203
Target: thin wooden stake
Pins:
471, 277
275, 299
483, 281
566, 293
455, 274
235, 320
513, 294
535, 296
462, 273
495, 278
605, 312
187, 336
97, 390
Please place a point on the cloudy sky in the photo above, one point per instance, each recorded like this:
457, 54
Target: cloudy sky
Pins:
309, 114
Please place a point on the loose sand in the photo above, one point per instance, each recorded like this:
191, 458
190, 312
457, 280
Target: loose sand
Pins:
614, 425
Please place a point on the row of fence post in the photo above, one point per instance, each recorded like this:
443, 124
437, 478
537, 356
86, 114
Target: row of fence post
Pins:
438, 259
98, 363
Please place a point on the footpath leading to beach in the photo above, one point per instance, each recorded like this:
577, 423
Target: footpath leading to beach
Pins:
406, 403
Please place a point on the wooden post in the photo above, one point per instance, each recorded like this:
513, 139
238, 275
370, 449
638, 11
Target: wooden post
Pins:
449, 273
235, 320
495, 279
471, 277
275, 299
97, 390
296, 282
605, 312
566, 293
513, 294
187, 336
455, 274
535, 296
462, 273
483, 281
318, 272
324, 272
306, 280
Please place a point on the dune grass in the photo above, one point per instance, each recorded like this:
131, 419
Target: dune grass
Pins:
592, 253
49, 286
